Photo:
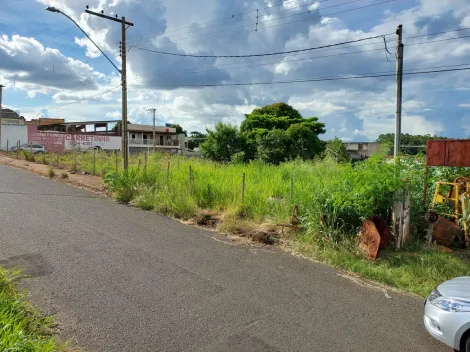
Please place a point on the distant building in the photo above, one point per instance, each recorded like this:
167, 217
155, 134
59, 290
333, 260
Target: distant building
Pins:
362, 150
44, 121
11, 117
166, 139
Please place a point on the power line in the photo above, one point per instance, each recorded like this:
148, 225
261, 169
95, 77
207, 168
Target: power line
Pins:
266, 54
438, 33
337, 78
256, 18
217, 68
78, 101
210, 68
285, 23
231, 17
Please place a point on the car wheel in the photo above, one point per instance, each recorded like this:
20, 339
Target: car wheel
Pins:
465, 343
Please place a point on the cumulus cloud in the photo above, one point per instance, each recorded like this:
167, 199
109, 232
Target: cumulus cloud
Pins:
26, 63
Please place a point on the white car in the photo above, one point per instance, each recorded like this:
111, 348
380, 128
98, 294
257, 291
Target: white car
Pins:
36, 148
447, 313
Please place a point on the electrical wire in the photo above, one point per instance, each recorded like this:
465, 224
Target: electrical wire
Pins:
231, 17
437, 33
77, 101
210, 68
322, 79
256, 21
217, 68
285, 23
265, 54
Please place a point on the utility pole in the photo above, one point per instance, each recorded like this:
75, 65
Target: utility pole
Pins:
400, 49
1, 92
124, 134
154, 136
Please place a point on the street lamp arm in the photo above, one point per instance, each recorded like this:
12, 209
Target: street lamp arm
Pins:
53, 9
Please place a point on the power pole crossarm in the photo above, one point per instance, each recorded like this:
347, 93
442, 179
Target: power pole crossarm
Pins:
400, 50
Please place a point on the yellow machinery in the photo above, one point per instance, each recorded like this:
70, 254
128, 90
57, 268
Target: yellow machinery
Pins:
458, 197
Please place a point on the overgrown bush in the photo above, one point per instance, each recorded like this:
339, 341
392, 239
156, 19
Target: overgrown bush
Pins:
50, 172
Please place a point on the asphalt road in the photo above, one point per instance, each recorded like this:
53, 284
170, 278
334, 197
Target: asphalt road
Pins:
122, 279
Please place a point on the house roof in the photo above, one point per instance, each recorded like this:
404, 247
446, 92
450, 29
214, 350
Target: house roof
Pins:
10, 114
149, 128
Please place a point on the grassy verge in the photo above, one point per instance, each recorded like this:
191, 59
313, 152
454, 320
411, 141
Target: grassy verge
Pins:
417, 270
21, 327
333, 199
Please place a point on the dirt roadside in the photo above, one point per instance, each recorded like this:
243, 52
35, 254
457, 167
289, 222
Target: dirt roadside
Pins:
90, 182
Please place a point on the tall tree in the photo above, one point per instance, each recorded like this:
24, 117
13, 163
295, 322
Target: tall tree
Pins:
179, 129
305, 143
278, 116
281, 116
195, 139
337, 150
222, 143
275, 147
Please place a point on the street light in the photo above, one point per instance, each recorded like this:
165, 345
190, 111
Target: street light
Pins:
53, 9
121, 72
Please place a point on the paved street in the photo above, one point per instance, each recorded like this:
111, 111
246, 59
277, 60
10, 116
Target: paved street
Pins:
122, 279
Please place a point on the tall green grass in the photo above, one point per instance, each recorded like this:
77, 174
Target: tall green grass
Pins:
21, 327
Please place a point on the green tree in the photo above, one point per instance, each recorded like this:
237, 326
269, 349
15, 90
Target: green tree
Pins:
275, 147
179, 129
278, 116
337, 150
195, 139
416, 143
305, 143
281, 116
222, 143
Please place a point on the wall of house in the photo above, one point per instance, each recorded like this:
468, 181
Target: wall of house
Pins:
13, 134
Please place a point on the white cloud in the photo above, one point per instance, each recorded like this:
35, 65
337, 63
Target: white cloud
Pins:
29, 65
420, 125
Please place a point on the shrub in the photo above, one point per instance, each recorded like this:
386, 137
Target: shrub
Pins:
50, 172
64, 175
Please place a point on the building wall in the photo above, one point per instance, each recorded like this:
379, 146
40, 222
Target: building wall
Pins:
358, 151
13, 133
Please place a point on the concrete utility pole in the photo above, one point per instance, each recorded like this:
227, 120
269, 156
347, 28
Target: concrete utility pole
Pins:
154, 136
124, 134
400, 49
125, 142
1, 92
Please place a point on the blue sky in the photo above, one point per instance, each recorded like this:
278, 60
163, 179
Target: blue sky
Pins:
46, 62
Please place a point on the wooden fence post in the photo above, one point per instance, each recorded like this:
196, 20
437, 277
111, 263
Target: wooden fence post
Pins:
18, 149
401, 218
138, 164
44, 158
57, 159
168, 172
94, 161
190, 177
145, 161
292, 187
75, 158
7, 148
116, 157
243, 188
